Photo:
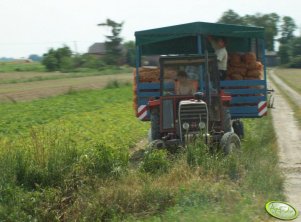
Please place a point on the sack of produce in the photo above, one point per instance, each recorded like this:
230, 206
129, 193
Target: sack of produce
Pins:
249, 57
237, 71
236, 77
149, 74
235, 59
254, 66
254, 73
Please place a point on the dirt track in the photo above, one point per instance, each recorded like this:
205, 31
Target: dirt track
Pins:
288, 138
42, 89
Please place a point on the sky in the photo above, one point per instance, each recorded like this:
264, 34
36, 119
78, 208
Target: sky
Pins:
35, 26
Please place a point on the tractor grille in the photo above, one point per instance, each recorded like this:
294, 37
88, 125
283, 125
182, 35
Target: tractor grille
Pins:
192, 112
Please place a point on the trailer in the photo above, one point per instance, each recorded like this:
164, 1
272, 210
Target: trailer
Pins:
218, 105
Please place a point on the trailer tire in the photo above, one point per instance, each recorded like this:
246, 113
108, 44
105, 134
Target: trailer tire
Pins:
227, 120
238, 128
230, 143
154, 133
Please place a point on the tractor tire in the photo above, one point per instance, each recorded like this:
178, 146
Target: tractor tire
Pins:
227, 120
154, 133
238, 128
230, 143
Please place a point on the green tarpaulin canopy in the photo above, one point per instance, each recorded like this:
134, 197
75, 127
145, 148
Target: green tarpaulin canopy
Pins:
195, 28
183, 38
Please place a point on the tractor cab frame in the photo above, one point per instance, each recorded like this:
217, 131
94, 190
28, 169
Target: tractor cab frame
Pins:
174, 116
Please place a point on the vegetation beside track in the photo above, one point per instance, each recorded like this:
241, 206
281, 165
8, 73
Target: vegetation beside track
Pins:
66, 158
292, 77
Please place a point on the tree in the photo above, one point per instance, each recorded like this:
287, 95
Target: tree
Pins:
268, 21
288, 26
59, 59
283, 53
130, 53
35, 57
231, 17
295, 45
50, 61
114, 43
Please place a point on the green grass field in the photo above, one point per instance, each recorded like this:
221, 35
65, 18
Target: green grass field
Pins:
21, 67
292, 77
66, 158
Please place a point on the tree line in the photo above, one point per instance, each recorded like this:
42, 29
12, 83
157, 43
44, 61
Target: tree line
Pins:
118, 52
277, 29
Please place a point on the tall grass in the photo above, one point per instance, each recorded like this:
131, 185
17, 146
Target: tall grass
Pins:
73, 166
215, 188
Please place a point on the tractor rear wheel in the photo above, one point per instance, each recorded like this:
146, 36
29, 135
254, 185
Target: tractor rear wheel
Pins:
230, 143
154, 133
227, 120
238, 128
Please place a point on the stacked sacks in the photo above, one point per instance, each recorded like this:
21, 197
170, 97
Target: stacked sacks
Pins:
254, 68
244, 66
236, 69
146, 74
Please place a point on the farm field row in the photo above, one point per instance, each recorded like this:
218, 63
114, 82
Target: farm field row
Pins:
23, 77
41, 89
67, 158
290, 88
292, 77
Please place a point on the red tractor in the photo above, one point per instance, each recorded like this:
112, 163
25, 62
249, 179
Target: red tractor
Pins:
175, 119
214, 110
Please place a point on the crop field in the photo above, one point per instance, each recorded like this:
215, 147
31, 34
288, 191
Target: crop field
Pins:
33, 76
67, 158
15, 66
24, 91
292, 77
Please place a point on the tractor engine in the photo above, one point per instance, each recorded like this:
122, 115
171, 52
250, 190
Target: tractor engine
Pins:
192, 117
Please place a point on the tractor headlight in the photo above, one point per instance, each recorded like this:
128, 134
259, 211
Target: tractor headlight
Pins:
202, 125
186, 126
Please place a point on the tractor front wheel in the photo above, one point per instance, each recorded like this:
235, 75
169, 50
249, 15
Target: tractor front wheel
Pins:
230, 143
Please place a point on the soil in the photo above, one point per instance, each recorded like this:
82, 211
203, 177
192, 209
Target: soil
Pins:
288, 138
41, 89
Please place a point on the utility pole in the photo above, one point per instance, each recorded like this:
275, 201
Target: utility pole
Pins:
75, 46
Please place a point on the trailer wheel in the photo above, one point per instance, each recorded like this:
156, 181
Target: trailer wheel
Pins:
227, 120
238, 128
154, 133
230, 143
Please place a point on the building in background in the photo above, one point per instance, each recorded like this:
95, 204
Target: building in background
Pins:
271, 58
98, 49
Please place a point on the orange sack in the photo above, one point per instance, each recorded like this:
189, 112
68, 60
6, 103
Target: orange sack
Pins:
237, 71
250, 57
236, 77
235, 59
254, 73
254, 66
